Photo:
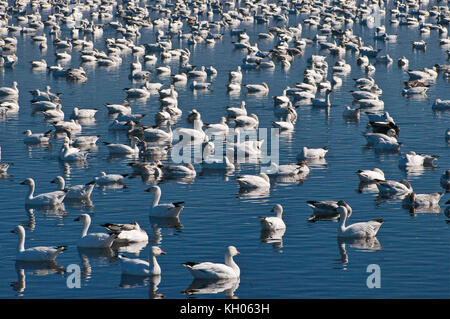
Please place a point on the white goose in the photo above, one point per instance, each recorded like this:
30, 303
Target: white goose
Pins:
163, 210
123, 149
394, 188
9, 91
44, 199
322, 102
76, 191
257, 88
312, 153
36, 138
260, 181
358, 230
139, 267
369, 176
326, 210
186, 170
108, 179
234, 112
208, 270
422, 200
83, 113
273, 223
93, 240
412, 159
127, 233
40, 253
220, 127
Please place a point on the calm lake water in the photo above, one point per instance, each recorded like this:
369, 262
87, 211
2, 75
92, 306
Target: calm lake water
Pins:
412, 251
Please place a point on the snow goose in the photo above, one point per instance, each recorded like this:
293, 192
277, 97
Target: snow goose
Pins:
186, 170
72, 154
124, 108
234, 112
38, 64
139, 267
369, 176
122, 149
422, 200
257, 88
127, 233
412, 159
79, 192
141, 92
295, 169
163, 210
312, 153
374, 138
322, 102
73, 126
7, 91
82, 113
208, 270
189, 135
217, 163
217, 128
235, 76
93, 240
352, 114
326, 210
156, 134
200, 85
358, 230
249, 182
394, 188
108, 179
273, 223
441, 105
44, 199
286, 125
39, 254
247, 121
36, 138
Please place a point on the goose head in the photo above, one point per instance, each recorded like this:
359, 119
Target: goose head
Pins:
28, 181
18, 230
83, 218
278, 209
232, 251
156, 251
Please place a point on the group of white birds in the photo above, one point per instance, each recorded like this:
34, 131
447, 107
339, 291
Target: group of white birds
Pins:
153, 141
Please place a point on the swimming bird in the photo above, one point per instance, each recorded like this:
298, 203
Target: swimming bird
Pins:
93, 240
123, 149
108, 179
139, 267
127, 233
208, 270
273, 223
163, 210
393, 188
422, 200
44, 199
248, 182
326, 210
79, 192
358, 230
412, 159
37, 254
369, 176
312, 153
